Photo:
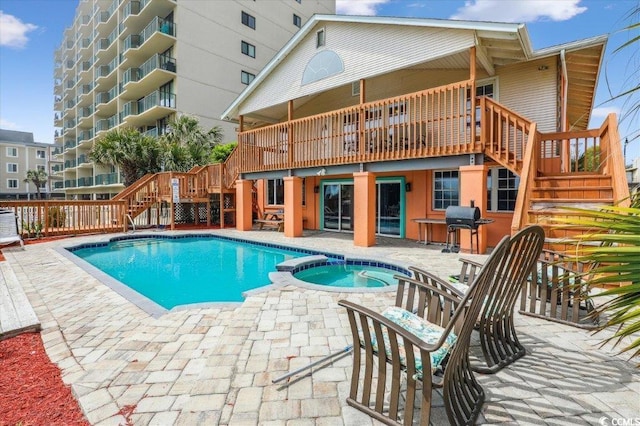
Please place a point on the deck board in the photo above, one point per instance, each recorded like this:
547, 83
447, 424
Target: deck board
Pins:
16, 313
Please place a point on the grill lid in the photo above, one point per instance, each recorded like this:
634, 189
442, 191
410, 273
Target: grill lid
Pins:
462, 216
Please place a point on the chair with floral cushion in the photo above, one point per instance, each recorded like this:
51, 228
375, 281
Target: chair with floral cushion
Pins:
498, 339
409, 342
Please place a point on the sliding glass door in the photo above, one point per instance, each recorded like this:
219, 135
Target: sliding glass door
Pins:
337, 204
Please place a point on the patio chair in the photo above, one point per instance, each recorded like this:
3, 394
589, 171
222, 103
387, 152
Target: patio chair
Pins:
498, 339
410, 342
9, 229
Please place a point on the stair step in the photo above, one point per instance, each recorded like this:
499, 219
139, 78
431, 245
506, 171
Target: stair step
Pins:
573, 201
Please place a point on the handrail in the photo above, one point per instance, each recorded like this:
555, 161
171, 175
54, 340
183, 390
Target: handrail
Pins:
614, 160
527, 180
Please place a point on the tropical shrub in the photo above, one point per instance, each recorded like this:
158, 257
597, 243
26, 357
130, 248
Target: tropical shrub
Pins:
57, 217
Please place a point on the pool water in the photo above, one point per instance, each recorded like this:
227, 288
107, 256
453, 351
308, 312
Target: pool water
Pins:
174, 272
345, 275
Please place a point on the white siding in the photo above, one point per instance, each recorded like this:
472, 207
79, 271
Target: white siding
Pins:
531, 92
367, 50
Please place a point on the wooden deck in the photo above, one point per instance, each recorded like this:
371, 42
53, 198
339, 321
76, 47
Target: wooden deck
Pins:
16, 314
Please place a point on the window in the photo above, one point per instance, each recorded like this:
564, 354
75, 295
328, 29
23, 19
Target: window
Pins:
299, 1
446, 189
40, 167
246, 77
12, 152
12, 183
502, 190
486, 88
320, 38
40, 154
248, 20
297, 21
355, 88
12, 168
275, 192
248, 49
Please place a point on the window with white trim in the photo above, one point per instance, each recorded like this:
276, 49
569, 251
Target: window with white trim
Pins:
297, 21
502, 190
12, 168
41, 154
446, 189
12, 183
320, 38
12, 152
275, 192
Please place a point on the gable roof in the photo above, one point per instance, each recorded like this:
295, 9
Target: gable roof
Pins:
498, 44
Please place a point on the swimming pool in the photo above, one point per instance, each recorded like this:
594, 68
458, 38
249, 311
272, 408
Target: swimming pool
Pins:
181, 270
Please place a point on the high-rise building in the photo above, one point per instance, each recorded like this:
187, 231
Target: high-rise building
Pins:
137, 63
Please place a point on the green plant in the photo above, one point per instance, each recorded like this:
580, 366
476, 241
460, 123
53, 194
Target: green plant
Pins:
56, 216
613, 248
221, 152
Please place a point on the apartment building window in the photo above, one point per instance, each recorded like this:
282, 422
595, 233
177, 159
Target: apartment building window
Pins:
248, 20
248, 49
275, 192
40, 167
12, 183
246, 77
40, 154
320, 38
12, 152
299, 1
502, 190
446, 189
297, 21
12, 168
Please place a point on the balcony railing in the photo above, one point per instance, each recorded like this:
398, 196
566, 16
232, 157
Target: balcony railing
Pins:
132, 42
157, 98
158, 61
83, 159
106, 179
69, 164
433, 122
70, 183
85, 181
158, 24
132, 8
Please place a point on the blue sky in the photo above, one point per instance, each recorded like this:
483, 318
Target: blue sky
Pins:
30, 31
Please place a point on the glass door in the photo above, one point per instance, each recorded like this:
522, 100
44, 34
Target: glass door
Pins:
338, 206
389, 208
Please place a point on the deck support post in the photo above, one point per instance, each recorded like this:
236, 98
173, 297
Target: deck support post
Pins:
472, 95
244, 214
364, 209
473, 186
292, 206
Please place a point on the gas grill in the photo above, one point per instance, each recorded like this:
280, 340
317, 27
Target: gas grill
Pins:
462, 217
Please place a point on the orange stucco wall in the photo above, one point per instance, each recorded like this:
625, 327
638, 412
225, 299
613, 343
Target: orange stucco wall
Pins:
419, 204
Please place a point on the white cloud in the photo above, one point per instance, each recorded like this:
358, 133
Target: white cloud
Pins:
8, 125
602, 112
13, 32
358, 7
519, 11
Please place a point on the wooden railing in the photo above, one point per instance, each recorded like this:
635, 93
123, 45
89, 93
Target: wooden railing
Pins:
504, 134
231, 169
527, 180
50, 218
433, 122
571, 152
614, 166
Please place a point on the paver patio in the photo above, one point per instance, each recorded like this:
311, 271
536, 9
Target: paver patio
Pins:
215, 365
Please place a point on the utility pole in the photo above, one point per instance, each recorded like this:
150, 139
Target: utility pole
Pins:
624, 150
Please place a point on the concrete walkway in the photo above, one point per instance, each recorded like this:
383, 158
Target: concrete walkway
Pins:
215, 365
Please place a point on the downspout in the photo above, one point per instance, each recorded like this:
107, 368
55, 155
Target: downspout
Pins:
565, 161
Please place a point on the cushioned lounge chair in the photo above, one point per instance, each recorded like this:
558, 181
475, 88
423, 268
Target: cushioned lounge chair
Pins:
9, 229
410, 341
498, 339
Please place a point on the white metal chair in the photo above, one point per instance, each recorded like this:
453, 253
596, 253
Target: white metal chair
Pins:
9, 229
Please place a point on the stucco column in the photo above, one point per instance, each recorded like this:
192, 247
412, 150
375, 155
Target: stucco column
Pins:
473, 186
244, 212
292, 206
364, 209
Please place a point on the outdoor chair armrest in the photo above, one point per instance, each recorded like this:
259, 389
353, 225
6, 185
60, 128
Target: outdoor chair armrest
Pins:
468, 271
435, 281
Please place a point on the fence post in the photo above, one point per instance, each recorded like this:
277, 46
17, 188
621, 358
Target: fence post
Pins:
46, 218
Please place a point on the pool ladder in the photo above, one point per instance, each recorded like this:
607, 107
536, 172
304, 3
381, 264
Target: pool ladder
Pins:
133, 225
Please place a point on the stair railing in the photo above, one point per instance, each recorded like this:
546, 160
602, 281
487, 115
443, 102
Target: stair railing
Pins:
527, 181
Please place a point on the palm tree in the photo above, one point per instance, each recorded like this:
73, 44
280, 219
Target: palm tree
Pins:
38, 178
134, 153
187, 144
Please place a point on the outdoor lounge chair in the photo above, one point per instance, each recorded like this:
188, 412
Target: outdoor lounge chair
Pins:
410, 341
9, 229
498, 339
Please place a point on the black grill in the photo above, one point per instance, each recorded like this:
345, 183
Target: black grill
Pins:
462, 217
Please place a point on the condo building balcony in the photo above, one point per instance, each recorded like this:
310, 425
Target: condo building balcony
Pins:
149, 109
84, 160
85, 181
107, 179
154, 72
157, 36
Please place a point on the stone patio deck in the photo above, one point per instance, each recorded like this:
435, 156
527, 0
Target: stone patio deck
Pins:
215, 365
